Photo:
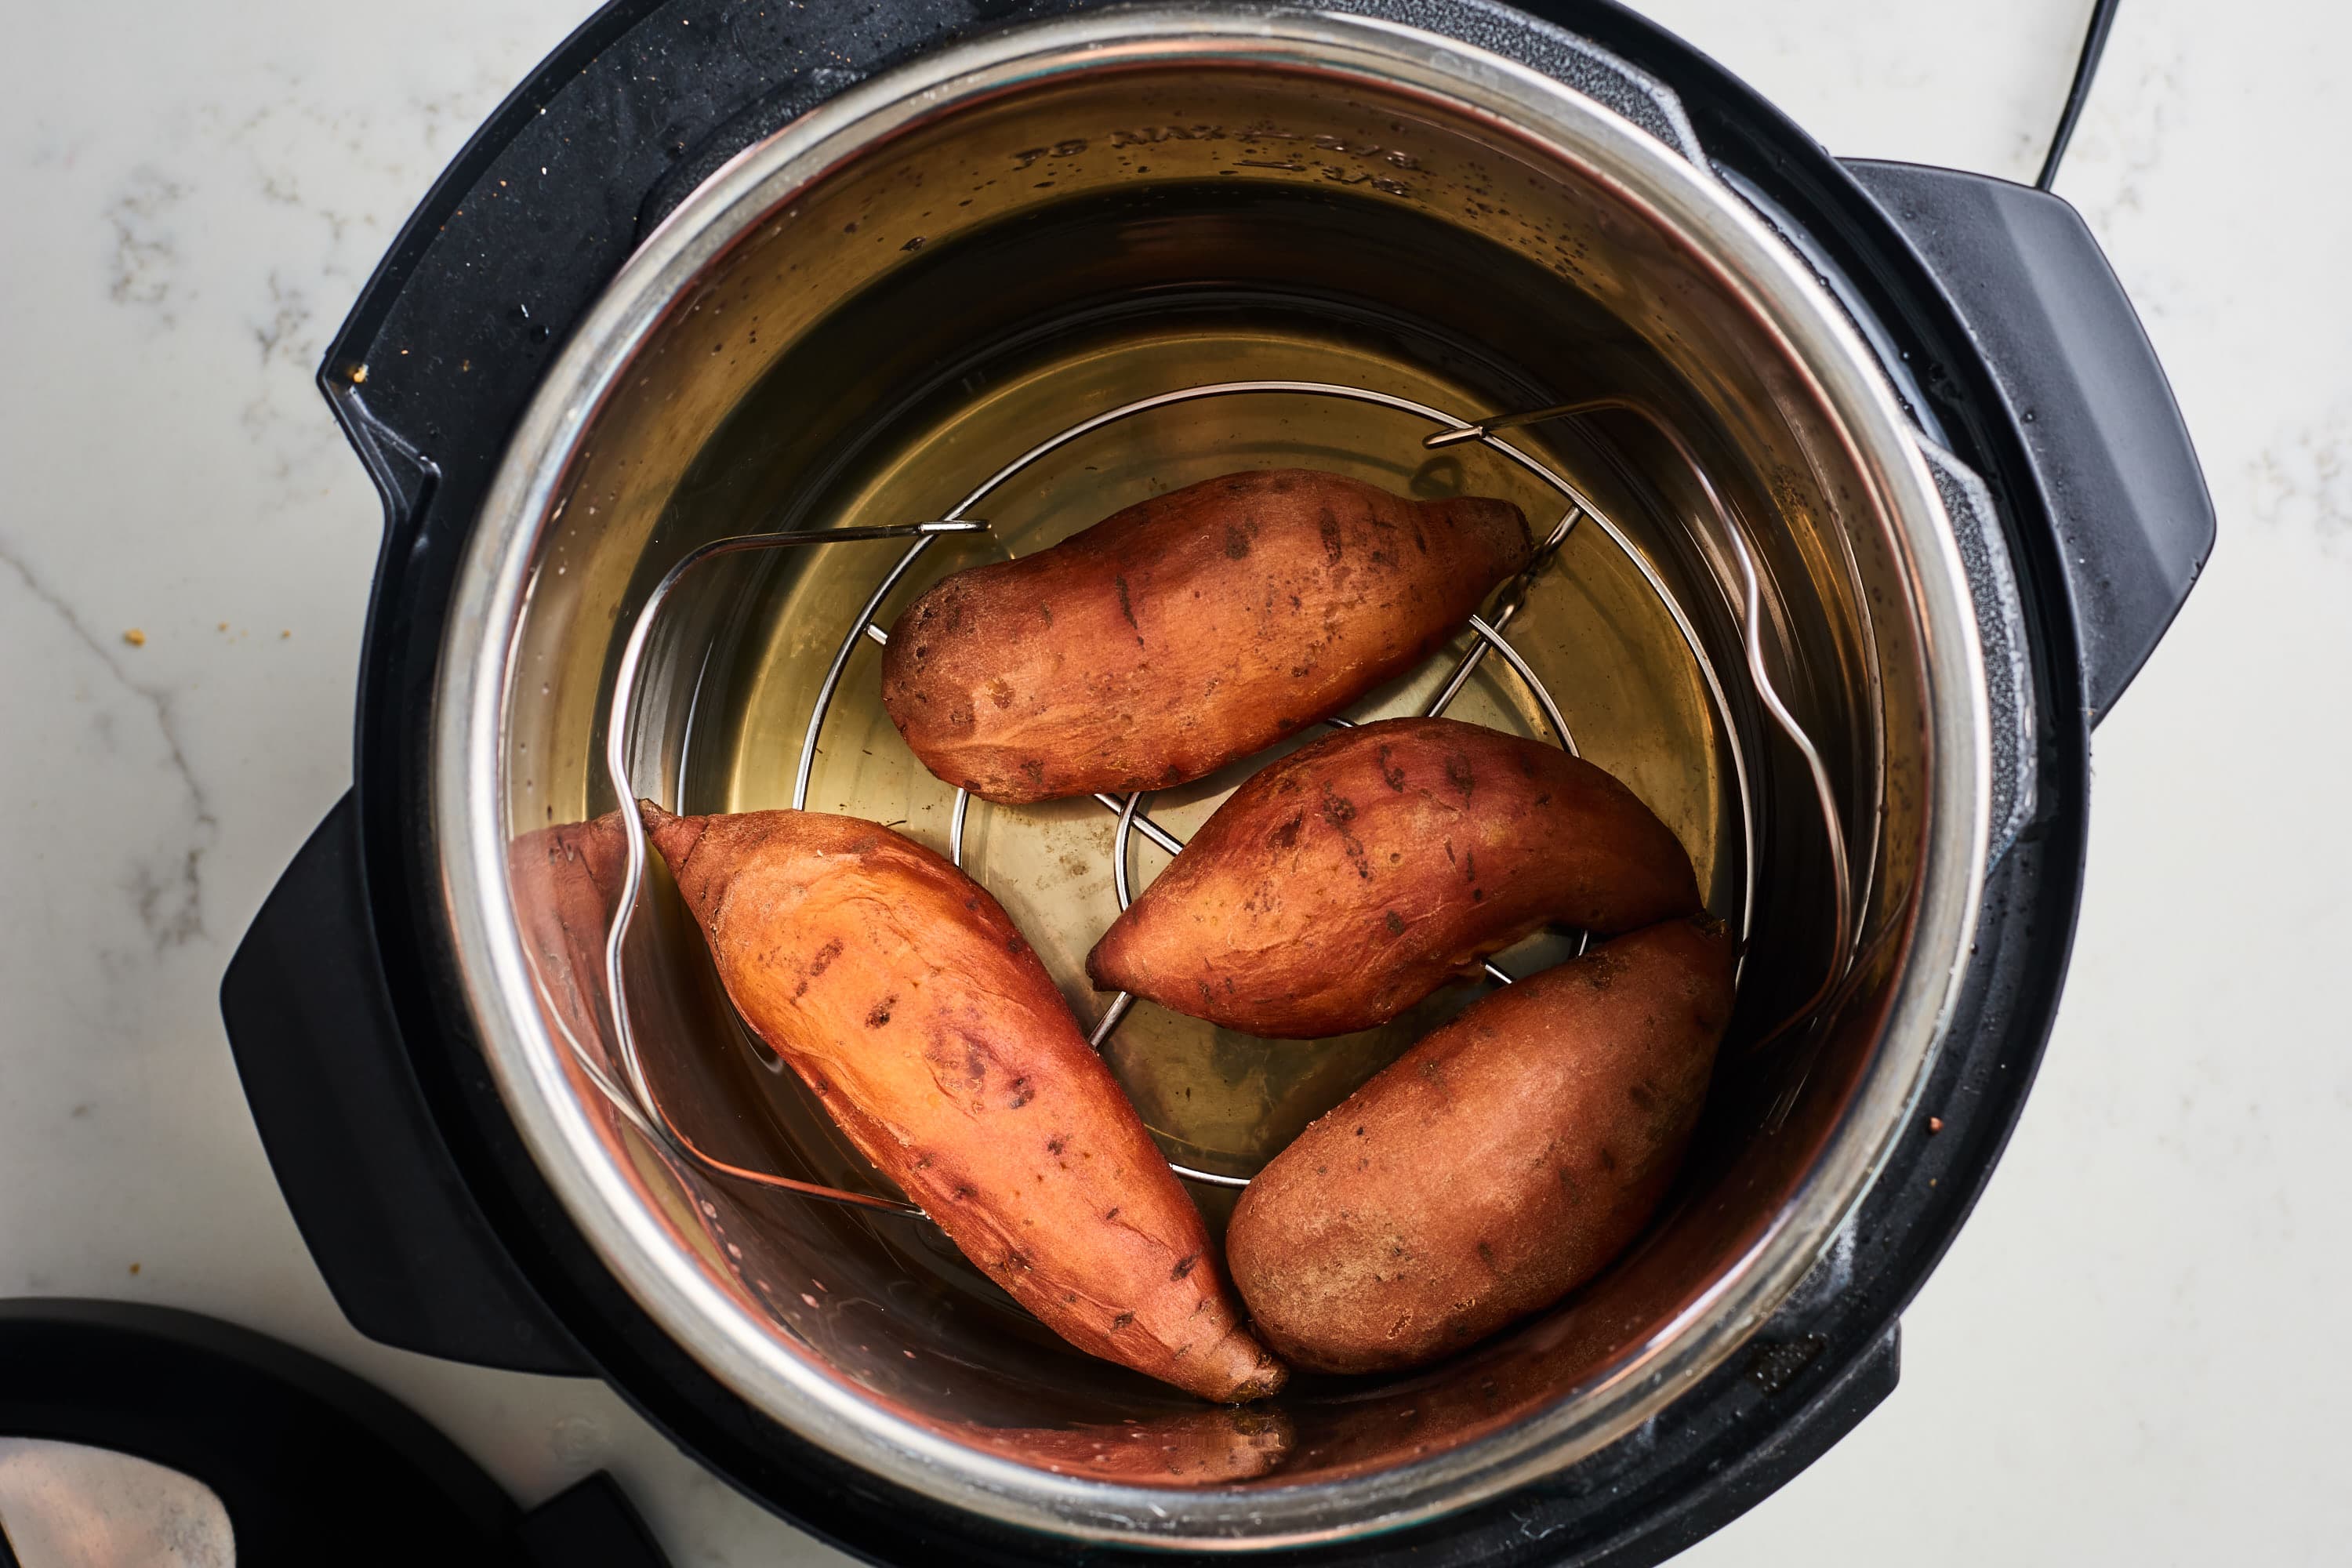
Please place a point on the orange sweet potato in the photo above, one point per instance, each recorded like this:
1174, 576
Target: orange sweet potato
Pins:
1186, 631
1495, 1166
901, 993
1351, 878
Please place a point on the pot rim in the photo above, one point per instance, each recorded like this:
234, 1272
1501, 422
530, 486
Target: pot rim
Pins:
467, 773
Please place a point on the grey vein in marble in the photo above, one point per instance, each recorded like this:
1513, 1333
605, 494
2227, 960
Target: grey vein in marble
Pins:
170, 900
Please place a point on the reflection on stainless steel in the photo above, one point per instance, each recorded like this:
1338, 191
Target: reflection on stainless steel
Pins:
1184, 1448
780, 351
68, 1505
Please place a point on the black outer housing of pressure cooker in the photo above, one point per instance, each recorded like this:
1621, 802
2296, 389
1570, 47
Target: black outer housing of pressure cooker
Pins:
1996, 317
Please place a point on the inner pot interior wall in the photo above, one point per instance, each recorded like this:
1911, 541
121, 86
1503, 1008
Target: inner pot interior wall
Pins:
876, 348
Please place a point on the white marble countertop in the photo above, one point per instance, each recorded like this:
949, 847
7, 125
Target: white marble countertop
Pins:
2135, 1352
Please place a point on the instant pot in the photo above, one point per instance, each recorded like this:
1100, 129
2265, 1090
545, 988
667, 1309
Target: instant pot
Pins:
1864, 498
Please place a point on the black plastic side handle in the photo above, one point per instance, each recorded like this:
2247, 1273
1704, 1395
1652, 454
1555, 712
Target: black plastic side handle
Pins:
2134, 520
387, 1215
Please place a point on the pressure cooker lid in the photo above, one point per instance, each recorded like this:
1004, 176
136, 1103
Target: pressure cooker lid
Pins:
141, 1436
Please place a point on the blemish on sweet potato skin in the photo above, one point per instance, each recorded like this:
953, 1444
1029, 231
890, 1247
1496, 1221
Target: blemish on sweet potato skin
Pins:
1184, 632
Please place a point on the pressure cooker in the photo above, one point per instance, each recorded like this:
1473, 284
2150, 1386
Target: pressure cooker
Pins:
1861, 494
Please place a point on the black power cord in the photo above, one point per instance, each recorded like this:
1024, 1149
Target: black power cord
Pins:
2094, 43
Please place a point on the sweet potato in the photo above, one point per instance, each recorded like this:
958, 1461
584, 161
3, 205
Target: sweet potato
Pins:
1186, 631
1351, 878
901, 993
567, 880
1495, 1166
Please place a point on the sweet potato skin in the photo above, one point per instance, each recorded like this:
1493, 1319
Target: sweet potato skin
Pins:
1344, 883
1184, 632
1495, 1166
901, 993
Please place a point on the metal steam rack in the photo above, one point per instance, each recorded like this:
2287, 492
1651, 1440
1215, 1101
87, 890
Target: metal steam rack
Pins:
634, 1097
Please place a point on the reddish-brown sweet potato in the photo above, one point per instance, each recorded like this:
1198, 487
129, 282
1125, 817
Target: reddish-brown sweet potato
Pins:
1348, 880
1190, 1448
566, 880
901, 993
1494, 1167
1186, 631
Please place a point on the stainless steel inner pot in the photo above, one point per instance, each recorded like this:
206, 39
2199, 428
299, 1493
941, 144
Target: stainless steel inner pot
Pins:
865, 316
